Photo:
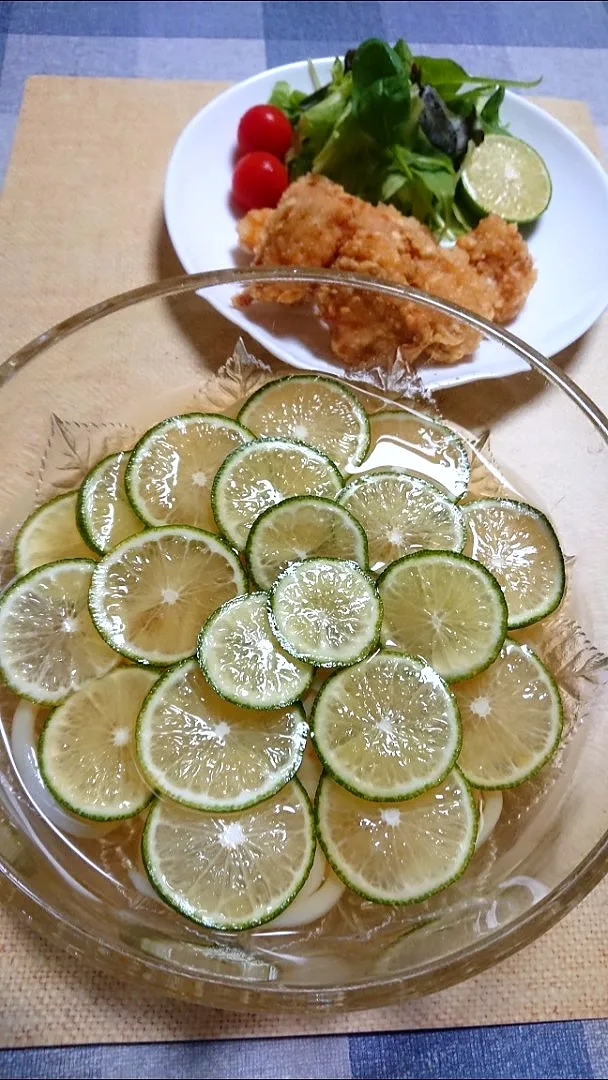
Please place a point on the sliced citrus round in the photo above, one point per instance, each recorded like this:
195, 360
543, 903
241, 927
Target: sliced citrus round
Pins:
86, 749
48, 644
398, 853
150, 596
401, 513
265, 472
424, 447
197, 748
311, 409
50, 534
511, 719
326, 612
244, 662
302, 527
171, 469
387, 728
444, 607
231, 871
518, 544
506, 176
104, 514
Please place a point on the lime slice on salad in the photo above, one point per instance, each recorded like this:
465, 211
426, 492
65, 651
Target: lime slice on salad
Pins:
172, 467
200, 750
444, 607
244, 662
86, 749
511, 719
104, 514
398, 853
326, 612
150, 596
50, 534
422, 446
518, 544
263, 473
232, 871
314, 410
300, 528
401, 513
48, 644
387, 728
506, 176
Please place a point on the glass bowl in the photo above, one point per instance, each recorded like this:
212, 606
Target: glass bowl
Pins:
92, 385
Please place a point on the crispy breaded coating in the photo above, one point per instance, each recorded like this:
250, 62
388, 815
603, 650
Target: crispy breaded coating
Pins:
306, 229
499, 254
318, 224
251, 228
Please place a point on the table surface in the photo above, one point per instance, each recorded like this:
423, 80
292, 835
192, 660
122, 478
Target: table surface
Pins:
568, 43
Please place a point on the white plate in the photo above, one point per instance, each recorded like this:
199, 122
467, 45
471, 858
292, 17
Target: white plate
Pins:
569, 244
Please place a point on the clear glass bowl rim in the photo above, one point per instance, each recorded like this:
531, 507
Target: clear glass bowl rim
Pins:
237, 993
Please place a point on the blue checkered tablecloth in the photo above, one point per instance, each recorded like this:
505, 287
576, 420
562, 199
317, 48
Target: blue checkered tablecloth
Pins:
568, 43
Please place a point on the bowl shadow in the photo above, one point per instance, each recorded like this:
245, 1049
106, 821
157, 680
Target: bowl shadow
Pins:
197, 320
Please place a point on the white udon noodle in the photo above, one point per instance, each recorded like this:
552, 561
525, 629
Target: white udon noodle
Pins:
322, 889
490, 809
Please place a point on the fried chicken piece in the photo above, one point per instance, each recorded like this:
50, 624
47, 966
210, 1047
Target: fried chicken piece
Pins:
499, 254
318, 224
385, 244
251, 228
306, 229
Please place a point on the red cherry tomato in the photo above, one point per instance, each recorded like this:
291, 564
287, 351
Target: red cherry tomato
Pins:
258, 180
264, 127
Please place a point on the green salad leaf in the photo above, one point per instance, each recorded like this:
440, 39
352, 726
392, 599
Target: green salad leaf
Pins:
288, 100
405, 54
448, 77
380, 91
394, 127
489, 116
